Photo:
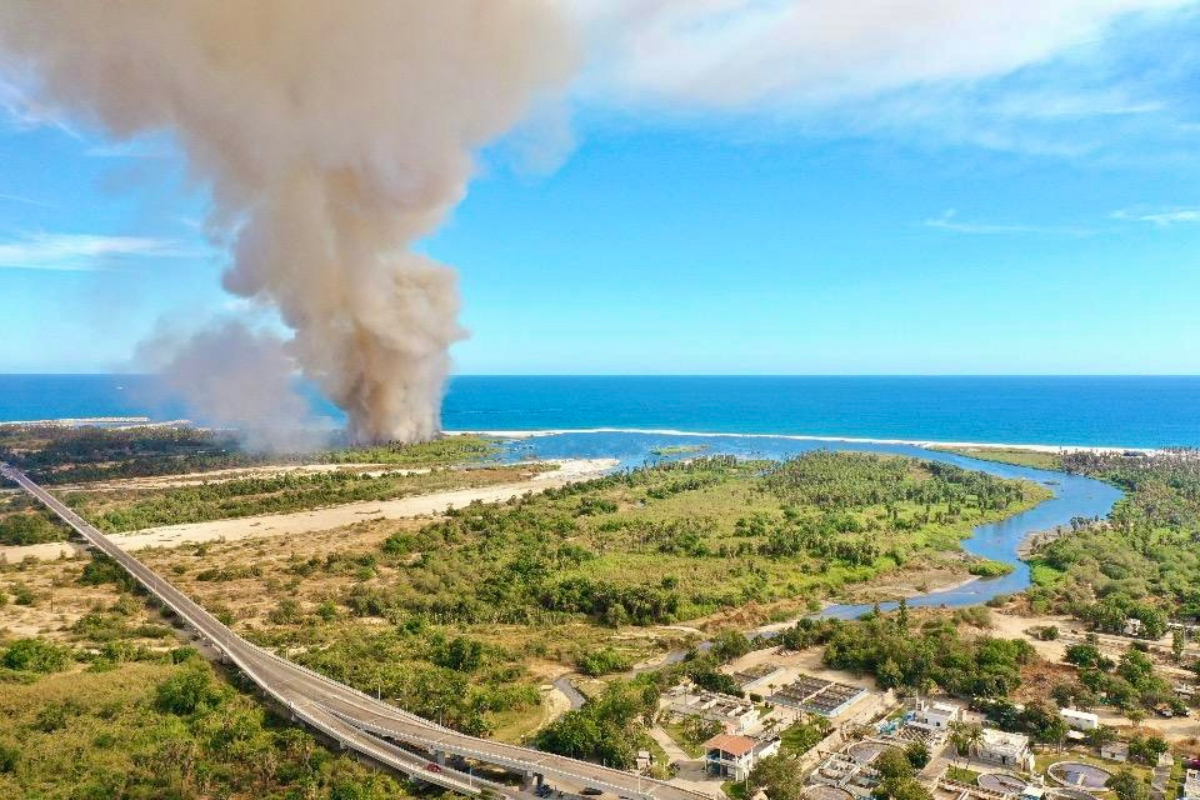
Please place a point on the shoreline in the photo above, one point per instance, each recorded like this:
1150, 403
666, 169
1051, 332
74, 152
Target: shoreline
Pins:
927, 444
146, 422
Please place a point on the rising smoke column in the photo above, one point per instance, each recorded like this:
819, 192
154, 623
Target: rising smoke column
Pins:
333, 134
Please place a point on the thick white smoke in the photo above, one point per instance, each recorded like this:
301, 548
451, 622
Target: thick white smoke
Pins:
333, 134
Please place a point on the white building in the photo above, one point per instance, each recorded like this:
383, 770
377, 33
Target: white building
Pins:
1191, 784
1115, 751
1080, 720
735, 714
935, 717
731, 756
1005, 749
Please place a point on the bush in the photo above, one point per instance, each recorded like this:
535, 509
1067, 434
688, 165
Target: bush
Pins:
36, 655
989, 568
56, 716
9, 756
602, 662
189, 691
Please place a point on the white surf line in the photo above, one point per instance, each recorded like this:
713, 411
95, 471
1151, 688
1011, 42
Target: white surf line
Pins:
925, 443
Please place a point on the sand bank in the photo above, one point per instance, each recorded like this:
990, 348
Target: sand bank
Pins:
322, 519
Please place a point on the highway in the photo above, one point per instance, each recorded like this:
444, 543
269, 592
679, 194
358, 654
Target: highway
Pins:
352, 719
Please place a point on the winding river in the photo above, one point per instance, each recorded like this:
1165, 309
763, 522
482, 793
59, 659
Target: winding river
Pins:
1074, 496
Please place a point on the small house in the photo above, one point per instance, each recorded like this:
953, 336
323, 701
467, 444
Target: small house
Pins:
1005, 749
732, 756
935, 717
1115, 751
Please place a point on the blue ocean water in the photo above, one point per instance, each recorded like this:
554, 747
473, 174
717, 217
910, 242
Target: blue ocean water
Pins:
1109, 411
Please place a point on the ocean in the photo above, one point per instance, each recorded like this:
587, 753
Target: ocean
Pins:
1097, 411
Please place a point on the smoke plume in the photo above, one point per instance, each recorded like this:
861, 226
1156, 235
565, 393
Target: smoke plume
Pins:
332, 134
233, 376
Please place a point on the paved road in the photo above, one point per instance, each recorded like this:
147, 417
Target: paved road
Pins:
351, 718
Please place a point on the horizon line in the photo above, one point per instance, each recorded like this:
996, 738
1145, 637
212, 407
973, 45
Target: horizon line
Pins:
700, 375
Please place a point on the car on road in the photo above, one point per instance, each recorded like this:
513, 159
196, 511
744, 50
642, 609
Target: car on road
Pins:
592, 791
432, 767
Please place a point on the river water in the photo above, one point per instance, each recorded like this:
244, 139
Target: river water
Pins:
1074, 496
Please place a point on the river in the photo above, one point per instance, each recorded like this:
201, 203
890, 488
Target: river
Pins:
1074, 495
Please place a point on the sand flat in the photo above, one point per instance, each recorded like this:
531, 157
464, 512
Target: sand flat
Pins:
322, 519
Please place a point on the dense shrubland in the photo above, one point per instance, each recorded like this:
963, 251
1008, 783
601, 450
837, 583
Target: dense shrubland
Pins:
681, 539
22, 522
170, 728
1144, 561
933, 654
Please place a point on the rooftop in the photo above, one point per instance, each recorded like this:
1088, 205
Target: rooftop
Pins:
736, 746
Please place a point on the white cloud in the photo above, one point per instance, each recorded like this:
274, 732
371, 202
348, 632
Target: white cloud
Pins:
751, 54
28, 201
1161, 219
949, 221
82, 252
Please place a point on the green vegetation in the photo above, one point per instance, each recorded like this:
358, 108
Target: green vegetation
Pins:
690, 733
1127, 786
989, 568
898, 775
1143, 562
57, 454
132, 509
681, 540
605, 730
163, 730
803, 735
963, 775
35, 656
454, 680
934, 654
1130, 683
22, 522
602, 662
1009, 455
679, 449
778, 776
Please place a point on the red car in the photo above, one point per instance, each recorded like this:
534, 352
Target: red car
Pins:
432, 767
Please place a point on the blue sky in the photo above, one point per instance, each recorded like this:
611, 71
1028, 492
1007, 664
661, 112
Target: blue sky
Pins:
1029, 208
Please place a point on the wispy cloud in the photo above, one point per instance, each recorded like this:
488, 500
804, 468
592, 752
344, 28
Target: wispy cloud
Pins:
1161, 219
28, 201
950, 221
82, 252
134, 148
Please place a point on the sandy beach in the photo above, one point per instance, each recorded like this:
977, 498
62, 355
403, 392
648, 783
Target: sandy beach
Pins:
322, 519
927, 443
